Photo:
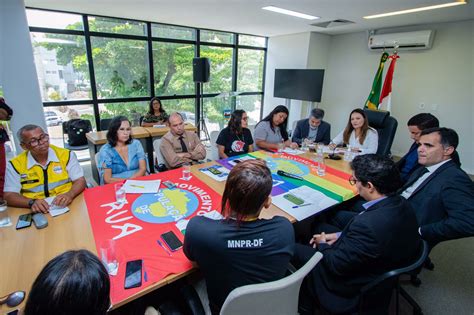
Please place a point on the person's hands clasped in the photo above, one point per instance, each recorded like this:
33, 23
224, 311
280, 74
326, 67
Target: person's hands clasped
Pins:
294, 145
40, 205
62, 200
317, 239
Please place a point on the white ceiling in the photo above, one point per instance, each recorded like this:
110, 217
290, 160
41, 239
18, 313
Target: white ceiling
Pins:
246, 16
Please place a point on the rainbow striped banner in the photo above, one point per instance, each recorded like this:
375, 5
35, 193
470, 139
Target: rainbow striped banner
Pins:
335, 184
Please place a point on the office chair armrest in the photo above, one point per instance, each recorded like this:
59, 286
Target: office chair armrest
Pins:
192, 300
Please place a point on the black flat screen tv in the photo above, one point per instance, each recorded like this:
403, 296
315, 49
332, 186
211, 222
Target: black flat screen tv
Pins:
299, 84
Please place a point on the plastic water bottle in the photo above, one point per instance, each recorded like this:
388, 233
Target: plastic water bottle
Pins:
348, 154
4, 217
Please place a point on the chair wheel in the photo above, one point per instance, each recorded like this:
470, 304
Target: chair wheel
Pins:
429, 265
415, 281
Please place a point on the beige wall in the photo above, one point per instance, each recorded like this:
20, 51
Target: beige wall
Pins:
441, 78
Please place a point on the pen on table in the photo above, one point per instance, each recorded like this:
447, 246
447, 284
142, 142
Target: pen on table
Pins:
137, 186
145, 273
163, 246
306, 204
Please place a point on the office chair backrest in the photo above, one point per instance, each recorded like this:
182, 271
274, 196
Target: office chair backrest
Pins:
386, 127
76, 130
214, 152
276, 297
140, 120
104, 123
375, 296
159, 157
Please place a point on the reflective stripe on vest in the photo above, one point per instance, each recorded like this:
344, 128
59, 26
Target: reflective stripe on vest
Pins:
39, 183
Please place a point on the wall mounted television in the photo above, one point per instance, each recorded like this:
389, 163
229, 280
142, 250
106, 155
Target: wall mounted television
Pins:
299, 84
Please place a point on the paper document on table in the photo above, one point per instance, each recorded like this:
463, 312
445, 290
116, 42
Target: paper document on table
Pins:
217, 172
53, 209
330, 151
293, 151
132, 186
159, 126
303, 202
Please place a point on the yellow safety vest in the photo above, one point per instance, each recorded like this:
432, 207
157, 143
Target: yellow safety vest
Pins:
39, 183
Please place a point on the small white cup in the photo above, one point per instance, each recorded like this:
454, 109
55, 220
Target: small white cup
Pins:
120, 194
186, 171
321, 169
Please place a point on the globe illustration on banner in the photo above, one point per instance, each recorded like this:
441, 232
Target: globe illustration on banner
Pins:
169, 205
288, 166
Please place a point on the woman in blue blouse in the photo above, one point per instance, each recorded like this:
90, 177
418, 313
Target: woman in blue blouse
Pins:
122, 157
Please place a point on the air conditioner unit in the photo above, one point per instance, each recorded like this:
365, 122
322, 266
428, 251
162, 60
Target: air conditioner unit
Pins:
404, 41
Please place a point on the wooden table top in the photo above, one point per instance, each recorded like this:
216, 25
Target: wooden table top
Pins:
25, 252
100, 137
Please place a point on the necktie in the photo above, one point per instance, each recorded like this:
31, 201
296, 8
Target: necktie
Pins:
415, 176
183, 145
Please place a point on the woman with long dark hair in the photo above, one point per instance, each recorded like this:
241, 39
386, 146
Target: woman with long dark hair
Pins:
241, 248
122, 157
236, 138
357, 134
73, 283
271, 131
156, 114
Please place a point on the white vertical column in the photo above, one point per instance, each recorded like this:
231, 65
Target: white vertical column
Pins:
18, 73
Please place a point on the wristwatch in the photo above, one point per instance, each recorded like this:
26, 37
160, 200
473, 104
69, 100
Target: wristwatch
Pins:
31, 202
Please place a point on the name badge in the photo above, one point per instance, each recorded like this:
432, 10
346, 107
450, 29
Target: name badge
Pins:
58, 169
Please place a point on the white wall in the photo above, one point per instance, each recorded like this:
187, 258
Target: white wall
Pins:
442, 78
285, 52
18, 72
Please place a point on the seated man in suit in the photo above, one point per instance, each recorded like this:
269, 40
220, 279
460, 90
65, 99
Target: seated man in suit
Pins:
42, 170
440, 192
381, 238
409, 162
179, 146
313, 128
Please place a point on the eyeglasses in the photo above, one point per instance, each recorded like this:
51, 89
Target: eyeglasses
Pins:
245, 118
353, 180
35, 142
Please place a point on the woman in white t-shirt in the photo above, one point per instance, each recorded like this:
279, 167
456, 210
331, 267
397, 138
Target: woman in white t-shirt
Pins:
357, 134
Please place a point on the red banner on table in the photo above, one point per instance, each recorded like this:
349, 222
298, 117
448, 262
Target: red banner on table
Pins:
137, 225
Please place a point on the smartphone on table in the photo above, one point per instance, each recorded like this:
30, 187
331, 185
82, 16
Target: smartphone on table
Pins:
292, 198
24, 221
133, 274
214, 171
171, 240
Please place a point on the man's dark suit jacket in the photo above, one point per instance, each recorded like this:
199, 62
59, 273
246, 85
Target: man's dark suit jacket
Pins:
380, 239
443, 203
302, 131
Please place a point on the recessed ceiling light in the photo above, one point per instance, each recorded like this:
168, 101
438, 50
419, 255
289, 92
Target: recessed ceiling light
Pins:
292, 13
431, 7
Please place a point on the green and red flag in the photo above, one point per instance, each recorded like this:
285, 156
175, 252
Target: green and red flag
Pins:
374, 96
386, 95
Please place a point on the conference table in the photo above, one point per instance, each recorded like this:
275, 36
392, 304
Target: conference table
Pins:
146, 135
25, 252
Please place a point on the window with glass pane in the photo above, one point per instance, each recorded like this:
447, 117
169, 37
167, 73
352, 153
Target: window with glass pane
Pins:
249, 40
184, 106
132, 110
217, 37
214, 112
62, 67
40, 18
55, 116
117, 26
173, 66
121, 67
171, 31
252, 105
250, 70
221, 69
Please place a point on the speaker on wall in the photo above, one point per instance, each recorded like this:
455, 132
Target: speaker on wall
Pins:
201, 69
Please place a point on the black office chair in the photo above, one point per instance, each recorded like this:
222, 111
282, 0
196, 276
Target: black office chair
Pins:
375, 297
140, 120
386, 127
104, 123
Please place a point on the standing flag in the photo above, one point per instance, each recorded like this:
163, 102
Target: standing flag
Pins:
386, 95
374, 96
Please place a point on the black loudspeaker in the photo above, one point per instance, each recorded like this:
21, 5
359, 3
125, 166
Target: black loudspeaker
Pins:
201, 69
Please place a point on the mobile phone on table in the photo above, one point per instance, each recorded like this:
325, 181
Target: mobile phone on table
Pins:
24, 221
171, 240
169, 184
133, 274
292, 198
214, 171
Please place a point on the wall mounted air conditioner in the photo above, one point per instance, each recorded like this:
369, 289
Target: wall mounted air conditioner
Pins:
404, 41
